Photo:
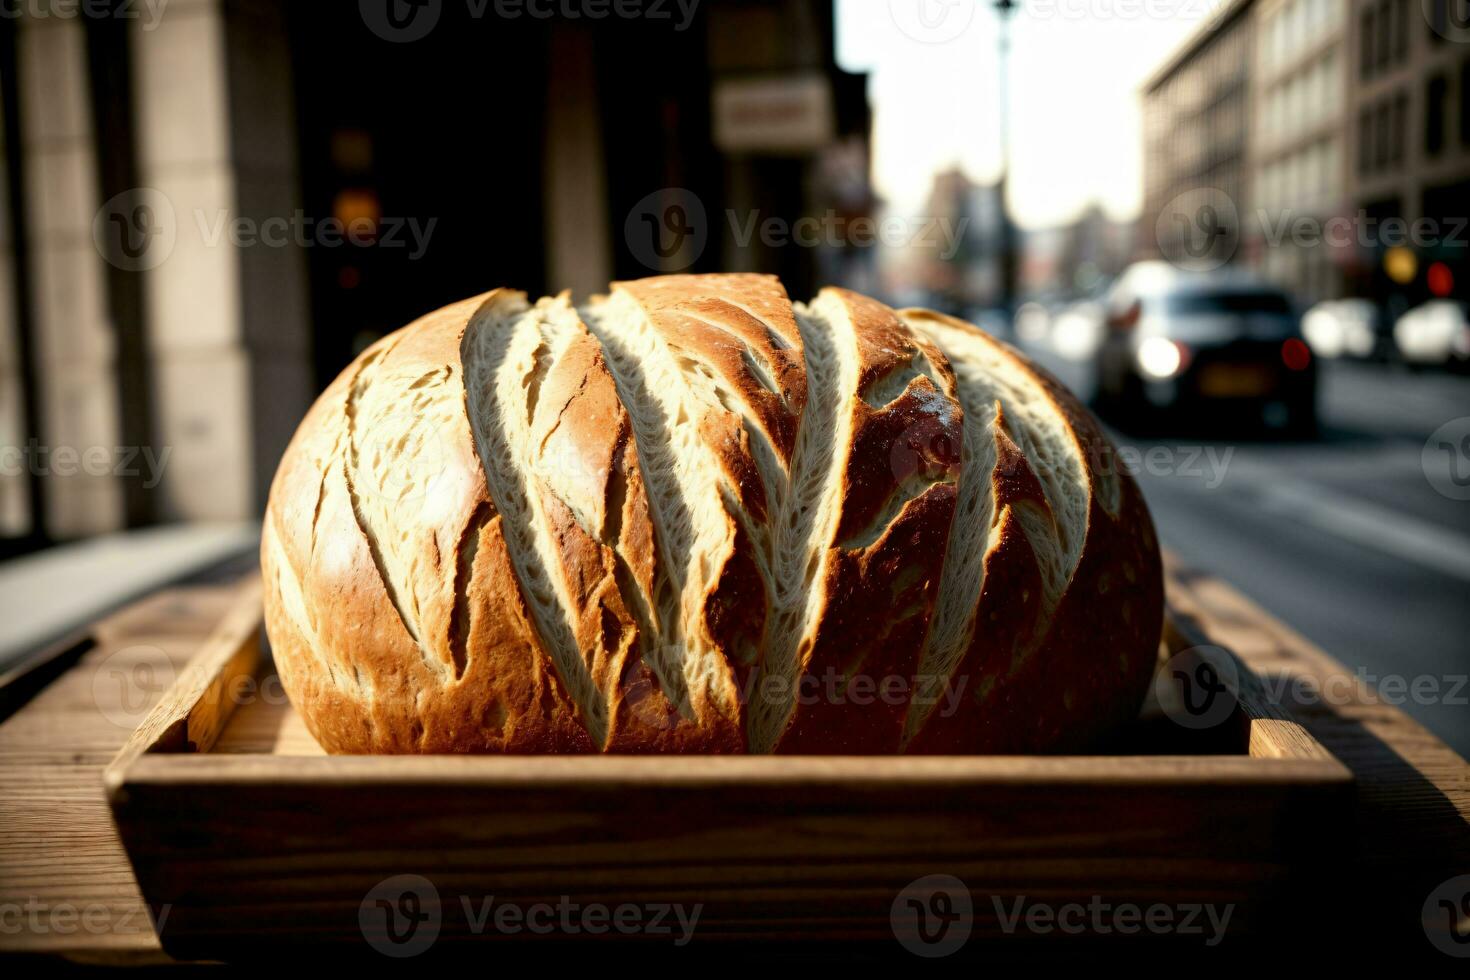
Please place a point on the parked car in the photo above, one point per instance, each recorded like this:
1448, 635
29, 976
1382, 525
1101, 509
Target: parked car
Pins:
1208, 344
1347, 328
1436, 333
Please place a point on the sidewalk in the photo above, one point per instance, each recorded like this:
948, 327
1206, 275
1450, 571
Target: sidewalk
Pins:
45, 595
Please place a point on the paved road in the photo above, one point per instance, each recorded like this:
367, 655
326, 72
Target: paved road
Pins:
1343, 537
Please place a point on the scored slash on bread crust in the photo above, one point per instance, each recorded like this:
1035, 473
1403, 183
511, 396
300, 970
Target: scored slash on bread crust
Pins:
691, 516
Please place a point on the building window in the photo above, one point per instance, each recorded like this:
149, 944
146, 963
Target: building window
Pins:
1365, 43
1365, 142
1401, 31
1434, 97
1465, 102
1383, 38
1400, 127
1379, 158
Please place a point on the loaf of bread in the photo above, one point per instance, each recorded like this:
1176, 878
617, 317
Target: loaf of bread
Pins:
692, 516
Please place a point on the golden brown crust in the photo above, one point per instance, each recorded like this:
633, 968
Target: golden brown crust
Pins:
583, 433
742, 327
399, 615
898, 500
382, 692
1035, 682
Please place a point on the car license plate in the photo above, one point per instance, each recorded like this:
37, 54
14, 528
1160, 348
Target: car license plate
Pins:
1234, 381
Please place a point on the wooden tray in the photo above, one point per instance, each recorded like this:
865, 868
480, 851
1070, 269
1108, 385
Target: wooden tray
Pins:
246, 838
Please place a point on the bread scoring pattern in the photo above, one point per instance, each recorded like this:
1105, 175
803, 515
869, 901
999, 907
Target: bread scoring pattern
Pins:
694, 516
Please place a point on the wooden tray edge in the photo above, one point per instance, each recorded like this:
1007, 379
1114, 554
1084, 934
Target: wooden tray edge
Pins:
173, 742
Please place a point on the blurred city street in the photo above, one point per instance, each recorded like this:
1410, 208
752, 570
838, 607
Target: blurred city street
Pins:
1342, 536
1237, 209
359, 604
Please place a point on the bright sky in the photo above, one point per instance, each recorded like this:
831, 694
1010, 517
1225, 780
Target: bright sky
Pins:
1076, 69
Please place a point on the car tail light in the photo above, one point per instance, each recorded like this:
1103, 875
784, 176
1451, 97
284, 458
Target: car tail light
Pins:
1296, 355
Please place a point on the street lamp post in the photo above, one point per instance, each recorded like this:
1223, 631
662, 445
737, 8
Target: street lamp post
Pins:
1008, 263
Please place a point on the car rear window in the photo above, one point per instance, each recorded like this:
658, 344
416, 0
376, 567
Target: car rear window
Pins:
1195, 303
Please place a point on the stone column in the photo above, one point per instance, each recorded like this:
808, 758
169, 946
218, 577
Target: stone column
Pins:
228, 316
15, 507
578, 256
74, 341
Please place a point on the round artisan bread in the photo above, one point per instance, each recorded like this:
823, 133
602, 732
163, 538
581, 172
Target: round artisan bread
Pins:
692, 516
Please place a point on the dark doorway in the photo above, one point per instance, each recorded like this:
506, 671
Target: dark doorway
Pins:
441, 139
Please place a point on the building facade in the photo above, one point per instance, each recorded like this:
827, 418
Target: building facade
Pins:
1297, 161
1197, 139
213, 205
1333, 137
1408, 118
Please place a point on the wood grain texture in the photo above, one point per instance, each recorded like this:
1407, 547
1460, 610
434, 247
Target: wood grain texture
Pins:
59, 853
213, 834
197, 706
58, 847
